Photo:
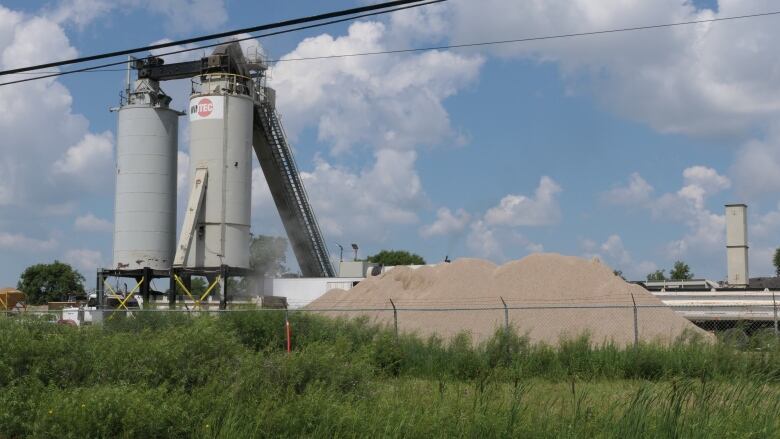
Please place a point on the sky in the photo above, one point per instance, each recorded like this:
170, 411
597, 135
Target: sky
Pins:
622, 147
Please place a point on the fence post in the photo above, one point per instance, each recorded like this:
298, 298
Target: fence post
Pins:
287, 329
395, 317
774, 309
506, 315
636, 322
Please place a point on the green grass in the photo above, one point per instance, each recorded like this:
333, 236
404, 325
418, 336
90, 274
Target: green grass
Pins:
161, 375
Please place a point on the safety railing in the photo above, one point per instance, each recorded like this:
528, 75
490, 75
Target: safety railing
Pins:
222, 83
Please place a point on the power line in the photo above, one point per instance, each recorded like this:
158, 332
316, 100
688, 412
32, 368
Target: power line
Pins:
418, 49
101, 67
529, 39
263, 27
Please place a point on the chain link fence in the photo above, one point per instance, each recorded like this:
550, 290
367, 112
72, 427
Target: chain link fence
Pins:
623, 324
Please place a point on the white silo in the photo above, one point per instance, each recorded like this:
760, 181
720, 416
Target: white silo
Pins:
221, 123
145, 203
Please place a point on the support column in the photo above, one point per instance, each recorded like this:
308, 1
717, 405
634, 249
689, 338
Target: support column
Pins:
146, 286
224, 272
172, 289
100, 289
186, 279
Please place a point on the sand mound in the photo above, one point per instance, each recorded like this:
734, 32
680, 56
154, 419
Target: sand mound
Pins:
561, 296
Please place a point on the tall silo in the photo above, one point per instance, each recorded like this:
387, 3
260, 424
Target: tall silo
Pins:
221, 123
145, 203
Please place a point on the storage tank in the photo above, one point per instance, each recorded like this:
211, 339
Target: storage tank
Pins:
145, 202
737, 245
221, 118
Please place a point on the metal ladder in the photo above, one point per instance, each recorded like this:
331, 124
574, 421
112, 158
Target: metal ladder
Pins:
316, 260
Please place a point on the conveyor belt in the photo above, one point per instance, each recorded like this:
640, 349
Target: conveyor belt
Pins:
289, 194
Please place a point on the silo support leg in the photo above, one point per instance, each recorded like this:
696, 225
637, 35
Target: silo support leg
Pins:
146, 287
100, 289
223, 278
172, 292
197, 301
123, 302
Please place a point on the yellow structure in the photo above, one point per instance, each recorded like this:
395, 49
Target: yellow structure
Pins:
10, 298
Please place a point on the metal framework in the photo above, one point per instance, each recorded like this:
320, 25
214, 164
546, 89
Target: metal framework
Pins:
289, 193
180, 282
270, 145
279, 167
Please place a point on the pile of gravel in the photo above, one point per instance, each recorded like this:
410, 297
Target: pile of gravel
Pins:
562, 296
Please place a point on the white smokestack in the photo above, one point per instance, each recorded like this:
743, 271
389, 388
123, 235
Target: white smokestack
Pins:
737, 245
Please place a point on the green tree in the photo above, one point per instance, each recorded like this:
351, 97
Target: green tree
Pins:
776, 262
198, 286
53, 282
619, 273
396, 257
658, 275
268, 255
680, 271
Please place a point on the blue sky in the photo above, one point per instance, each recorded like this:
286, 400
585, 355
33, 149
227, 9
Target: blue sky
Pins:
622, 147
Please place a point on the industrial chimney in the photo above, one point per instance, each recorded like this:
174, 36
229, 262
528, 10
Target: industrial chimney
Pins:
737, 245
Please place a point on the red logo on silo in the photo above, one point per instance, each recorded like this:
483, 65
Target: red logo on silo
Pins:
204, 107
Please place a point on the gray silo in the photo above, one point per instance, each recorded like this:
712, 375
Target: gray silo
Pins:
221, 122
146, 165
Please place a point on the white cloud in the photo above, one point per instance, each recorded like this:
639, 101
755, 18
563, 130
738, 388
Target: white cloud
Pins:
689, 201
520, 210
483, 242
705, 230
42, 125
186, 15
85, 260
92, 156
637, 192
384, 107
755, 166
613, 252
28, 35
181, 15
613, 247
386, 102
701, 79
20, 242
534, 247
426, 24
389, 192
91, 223
529, 246
699, 183
711, 80
761, 261
81, 12
447, 223
706, 178
766, 225
492, 235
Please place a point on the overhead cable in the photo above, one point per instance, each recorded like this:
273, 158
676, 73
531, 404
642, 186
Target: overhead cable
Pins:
530, 39
102, 67
286, 23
